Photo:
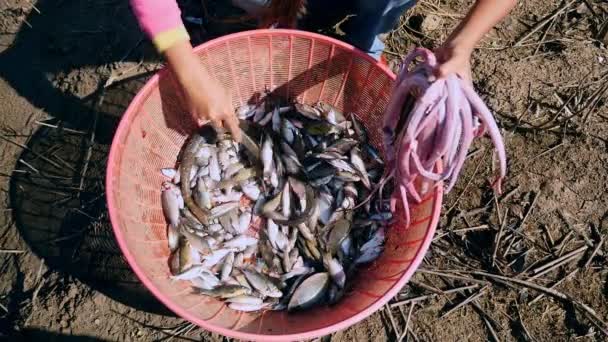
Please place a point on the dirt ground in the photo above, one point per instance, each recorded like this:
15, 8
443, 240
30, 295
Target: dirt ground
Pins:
69, 68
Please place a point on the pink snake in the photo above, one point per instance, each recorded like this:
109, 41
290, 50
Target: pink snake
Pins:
446, 116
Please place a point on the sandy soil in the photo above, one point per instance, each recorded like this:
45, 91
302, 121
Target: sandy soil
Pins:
62, 277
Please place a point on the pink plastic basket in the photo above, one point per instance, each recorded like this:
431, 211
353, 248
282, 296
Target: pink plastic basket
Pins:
297, 64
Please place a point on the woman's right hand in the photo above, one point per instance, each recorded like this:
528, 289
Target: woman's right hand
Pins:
205, 96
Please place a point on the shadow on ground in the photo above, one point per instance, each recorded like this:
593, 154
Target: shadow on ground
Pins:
57, 188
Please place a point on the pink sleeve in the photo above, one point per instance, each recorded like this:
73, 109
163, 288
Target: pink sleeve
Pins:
157, 16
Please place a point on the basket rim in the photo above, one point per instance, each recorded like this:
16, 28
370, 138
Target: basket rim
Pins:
123, 129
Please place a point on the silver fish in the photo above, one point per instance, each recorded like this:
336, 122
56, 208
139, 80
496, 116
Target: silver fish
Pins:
377, 240
272, 230
247, 307
215, 170
232, 169
172, 237
216, 227
325, 202
168, 172
170, 202
198, 243
189, 274
205, 281
244, 222
286, 201
267, 158
276, 120
359, 165
223, 159
238, 260
288, 131
241, 242
306, 233
342, 165
233, 196
296, 271
250, 251
245, 300
226, 291
246, 111
262, 283
201, 195
215, 257
223, 209
266, 119
231, 281
227, 266
335, 269
339, 231
309, 292
369, 255
251, 190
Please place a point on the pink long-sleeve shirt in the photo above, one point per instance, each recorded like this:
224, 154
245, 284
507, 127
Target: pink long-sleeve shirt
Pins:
161, 21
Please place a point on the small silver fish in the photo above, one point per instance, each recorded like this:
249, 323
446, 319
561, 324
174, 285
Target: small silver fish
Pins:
309, 292
172, 237
223, 209
267, 158
232, 169
227, 266
196, 242
359, 165
288, 131
201, 195
325, 202
224, 159
262, 283
215, 170
168, 172
241, 242
238, 260
189, 274
251, 190
226, 291
276, 120
286, 201
272, 230
369, 255
233, 196
247, 307
246, 111
251, 300
215, 257
205, 281
306, 233
244, 222
335, 269
170, 200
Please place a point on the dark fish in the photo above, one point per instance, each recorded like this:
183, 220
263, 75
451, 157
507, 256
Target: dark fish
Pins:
360, 131
342, 145
308, 111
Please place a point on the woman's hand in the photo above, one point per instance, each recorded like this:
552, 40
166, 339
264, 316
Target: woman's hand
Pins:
454, 60
205, 96
454, 56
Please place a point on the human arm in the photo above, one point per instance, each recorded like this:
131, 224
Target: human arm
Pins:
455, 53
207, 99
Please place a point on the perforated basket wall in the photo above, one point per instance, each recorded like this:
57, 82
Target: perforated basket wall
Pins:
297, 64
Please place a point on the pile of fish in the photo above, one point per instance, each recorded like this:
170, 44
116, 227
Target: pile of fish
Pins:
282, 219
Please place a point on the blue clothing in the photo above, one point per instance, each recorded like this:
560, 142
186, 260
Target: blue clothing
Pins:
369, 19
